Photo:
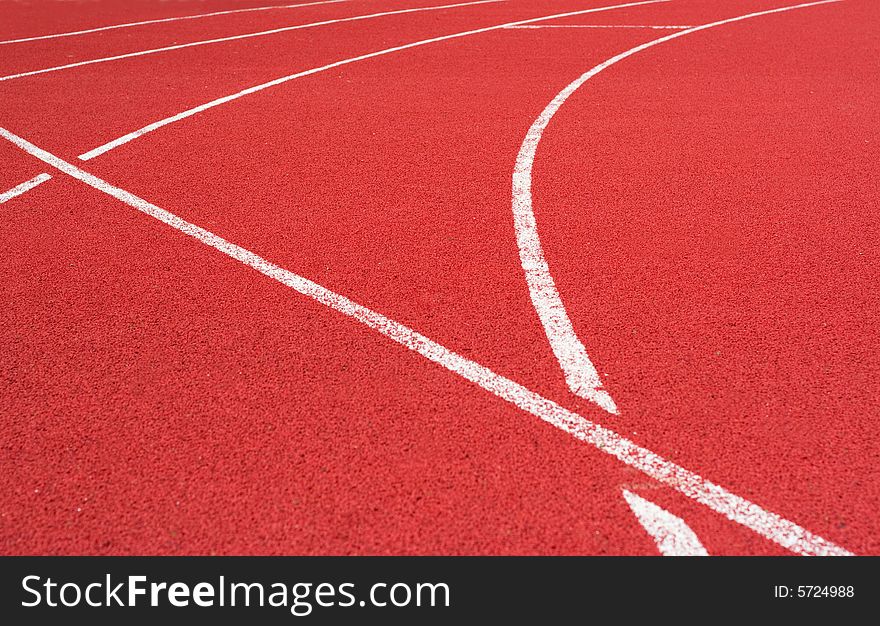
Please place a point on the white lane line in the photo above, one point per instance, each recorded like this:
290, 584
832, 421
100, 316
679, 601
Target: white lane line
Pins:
23, 187
597, 26
765, 523
579, 372
111, 145
262, 33
168, 19
671, 534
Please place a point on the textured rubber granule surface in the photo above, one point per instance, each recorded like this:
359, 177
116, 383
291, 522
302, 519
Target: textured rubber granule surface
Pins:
707, 208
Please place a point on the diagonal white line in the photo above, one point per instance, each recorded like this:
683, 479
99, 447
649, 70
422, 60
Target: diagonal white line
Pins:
168, 19
323, 68
596, 26
579, 371
119, 141
262, 33
768, 524
671, 534
24, 187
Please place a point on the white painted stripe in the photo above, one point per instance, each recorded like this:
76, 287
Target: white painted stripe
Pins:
323, 68
168, 19
735, 508
111, 145
262, 33
580, 374
596, 26
671, 534
24, 187
279, 81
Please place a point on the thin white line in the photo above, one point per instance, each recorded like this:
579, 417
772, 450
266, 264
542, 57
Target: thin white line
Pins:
580, 374
111, 145
167, 19
262, 33
23, 187
735, 508
279, 81
671, 534
595, 26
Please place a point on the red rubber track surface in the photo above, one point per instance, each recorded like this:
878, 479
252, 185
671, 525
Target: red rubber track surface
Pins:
707, 207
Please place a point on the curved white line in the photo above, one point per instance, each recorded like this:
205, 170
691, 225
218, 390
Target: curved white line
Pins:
656, 27
767, 524
111, 145
166, 19
579, 372
671, 534
262, 33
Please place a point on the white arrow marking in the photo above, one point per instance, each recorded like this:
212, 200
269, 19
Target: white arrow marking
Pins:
672, 535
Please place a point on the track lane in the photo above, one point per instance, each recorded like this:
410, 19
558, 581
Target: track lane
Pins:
248, 225
31, 55
166, 20
701, 521
100, 105
233, 34
22, 187
22, 20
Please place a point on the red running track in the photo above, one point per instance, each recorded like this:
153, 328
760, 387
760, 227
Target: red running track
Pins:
707, 208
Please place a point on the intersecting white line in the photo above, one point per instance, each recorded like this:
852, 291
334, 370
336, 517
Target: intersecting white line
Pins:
119, 141
579, 371
168, 19
765, 523
262, 33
